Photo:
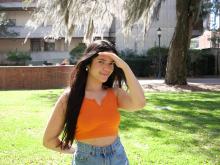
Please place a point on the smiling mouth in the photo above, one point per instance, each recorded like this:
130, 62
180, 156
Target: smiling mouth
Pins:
103, 74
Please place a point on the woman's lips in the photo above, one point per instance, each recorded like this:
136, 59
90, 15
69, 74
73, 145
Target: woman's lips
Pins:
105, 74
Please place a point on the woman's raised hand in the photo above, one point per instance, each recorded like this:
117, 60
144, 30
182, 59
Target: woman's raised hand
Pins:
118, 61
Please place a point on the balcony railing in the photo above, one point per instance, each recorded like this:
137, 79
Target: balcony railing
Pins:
41, 32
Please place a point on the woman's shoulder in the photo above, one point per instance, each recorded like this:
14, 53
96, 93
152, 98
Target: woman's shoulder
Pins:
65, 95
115, 90
66, 91
119, 91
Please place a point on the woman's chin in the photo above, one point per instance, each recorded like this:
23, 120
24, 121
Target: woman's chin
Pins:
103, 80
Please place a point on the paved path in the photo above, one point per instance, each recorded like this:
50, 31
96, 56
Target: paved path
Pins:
189, 80
194, 84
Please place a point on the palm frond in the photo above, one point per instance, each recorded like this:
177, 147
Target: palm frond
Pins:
141, 11
69, 16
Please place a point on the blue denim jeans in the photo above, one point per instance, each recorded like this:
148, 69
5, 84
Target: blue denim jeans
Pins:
113, 154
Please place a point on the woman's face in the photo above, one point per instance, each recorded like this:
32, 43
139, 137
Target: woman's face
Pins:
101, 68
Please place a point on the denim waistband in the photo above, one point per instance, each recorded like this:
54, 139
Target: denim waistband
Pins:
87, 148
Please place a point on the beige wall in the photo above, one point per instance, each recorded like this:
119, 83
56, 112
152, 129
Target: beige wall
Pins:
20, 16
204, 40
140, 43
74, 43
60, 45
13, 44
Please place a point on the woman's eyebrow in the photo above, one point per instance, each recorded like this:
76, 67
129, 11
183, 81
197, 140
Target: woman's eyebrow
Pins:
104, 59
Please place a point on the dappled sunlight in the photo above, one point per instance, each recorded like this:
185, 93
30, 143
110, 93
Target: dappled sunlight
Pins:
191, 124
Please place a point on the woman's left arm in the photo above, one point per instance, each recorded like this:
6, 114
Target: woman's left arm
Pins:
133, 99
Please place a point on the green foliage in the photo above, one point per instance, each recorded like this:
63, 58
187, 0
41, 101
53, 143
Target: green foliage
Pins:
145, 64
201, 62
153, 55
139, 63
77, 52
18, 57
209, 7
128, 53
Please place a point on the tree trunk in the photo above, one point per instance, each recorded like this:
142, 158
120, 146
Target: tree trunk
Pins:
176, 71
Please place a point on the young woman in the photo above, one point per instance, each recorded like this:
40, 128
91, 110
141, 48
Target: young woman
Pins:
88, 112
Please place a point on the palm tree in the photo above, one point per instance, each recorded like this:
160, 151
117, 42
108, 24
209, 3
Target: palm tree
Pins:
69, 15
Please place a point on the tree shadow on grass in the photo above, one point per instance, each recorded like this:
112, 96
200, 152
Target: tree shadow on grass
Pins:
133, 120
50, 96
199, 118
206, 101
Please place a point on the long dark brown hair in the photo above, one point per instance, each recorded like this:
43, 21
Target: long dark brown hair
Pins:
78, 84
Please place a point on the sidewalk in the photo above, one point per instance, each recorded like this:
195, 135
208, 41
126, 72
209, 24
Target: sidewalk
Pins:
194, 84
189, 80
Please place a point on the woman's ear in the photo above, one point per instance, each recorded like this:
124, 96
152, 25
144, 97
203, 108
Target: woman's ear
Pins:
87, 67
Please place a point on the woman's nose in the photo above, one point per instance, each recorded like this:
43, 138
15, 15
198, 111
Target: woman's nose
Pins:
108, 67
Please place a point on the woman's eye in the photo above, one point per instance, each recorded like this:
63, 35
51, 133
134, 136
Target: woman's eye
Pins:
101, 62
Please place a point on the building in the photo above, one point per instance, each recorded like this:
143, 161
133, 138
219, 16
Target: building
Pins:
211, 25
210, 39
166, 22
56, 50
41, 49
140, 43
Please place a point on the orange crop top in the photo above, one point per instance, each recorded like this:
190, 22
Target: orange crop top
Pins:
98, 120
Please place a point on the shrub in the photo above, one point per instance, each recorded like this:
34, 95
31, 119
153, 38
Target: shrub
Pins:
138, 63
201, 62
153, 56
18, 57
77, 52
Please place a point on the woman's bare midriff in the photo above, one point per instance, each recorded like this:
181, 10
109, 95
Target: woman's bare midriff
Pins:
100, 142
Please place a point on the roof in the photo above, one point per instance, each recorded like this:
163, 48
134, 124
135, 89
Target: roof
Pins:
14, 6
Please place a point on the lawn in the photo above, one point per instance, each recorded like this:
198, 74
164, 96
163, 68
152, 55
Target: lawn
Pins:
174, 128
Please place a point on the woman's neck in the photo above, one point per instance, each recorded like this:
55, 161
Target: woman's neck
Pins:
93, 85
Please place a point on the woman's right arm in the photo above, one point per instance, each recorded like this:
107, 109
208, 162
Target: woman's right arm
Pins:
55, 126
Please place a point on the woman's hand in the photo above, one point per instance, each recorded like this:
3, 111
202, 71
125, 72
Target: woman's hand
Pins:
70, 150
67, 149
118, 61
134, 99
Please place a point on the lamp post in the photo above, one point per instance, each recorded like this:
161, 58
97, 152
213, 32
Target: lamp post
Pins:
218, 40
159, 66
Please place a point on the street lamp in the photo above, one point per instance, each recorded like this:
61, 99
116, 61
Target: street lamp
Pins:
159, 66
218, 41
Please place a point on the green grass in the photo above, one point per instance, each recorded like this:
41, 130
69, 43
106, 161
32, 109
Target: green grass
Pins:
186, 134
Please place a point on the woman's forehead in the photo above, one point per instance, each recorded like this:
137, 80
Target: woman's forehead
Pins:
104, 58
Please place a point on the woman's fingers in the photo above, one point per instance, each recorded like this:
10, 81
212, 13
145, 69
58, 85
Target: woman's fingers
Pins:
118, 61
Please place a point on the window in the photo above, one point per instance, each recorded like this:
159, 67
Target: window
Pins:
35, 45
12, 22
49, 46
38, 45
